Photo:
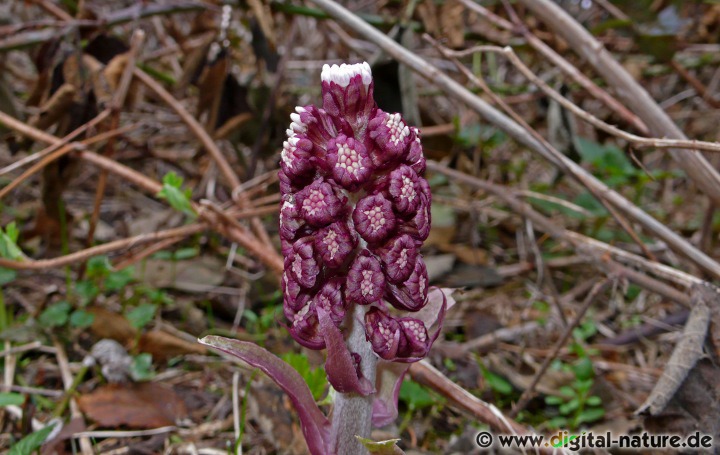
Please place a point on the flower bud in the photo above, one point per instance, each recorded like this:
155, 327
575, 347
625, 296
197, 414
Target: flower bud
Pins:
355, 210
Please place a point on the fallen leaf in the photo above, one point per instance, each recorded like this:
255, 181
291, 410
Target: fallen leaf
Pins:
163, 345
143, 405
108, 324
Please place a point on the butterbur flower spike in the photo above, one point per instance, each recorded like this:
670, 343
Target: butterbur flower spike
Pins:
355, 211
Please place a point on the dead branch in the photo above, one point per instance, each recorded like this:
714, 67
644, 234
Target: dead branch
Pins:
105, 248
636, 141
424, 373
528, 393
584, 245
561, 63
686, 353
629, 90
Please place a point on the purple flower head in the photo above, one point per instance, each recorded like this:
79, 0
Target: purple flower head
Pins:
319, 203
291, 291
384, 333
411, 295
304, 325
391, 136
366, 281
314, 123
415, 157
351, 165
374, 218
330, 299
295, 156
335, 243
416, 342
355, 210
290, 220
301, 263
399, 257
404, 189
347, 92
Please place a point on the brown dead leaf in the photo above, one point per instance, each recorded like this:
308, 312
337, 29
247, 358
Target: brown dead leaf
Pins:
466, 254
143, 405
428, 13
163, 345
75, 425
189, 275
108, 324
451, 23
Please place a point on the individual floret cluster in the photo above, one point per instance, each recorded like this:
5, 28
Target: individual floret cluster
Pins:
355, 212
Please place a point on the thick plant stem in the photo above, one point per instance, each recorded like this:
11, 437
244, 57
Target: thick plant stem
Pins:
352, 413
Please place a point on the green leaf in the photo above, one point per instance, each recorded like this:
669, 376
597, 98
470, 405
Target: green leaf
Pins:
566, 391
163, 255
31, 442
10, 398
8, 239
583, 368
554, 400
609, 160
315, 378
140, 316
158, 296
142, 367
98, 267
7, 276
119, 279
81, 319
594, 401
415, 395
569, 407
498, 383
591, 415
86, 290
173, 193
558, 422
387, 447
583, 385
589, 203
55, 315
186, 253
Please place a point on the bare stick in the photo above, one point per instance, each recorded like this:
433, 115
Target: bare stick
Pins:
73, 146
424, 373
113, 18
105, 248
27, 130
55, 145
528, 393
515, 116
67, 379
194, 125
629, 90
565, 66
238, 233
686, 353
584, 245
116, 104
492, 115
207, 142
636, 141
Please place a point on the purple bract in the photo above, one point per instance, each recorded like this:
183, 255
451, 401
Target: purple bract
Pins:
355, 211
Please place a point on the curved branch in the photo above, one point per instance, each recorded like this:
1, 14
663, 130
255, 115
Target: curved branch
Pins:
629, 90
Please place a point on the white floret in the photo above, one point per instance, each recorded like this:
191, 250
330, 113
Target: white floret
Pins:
342, 74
